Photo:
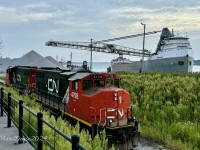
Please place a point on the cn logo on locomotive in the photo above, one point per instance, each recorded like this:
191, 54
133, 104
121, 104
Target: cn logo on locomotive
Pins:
121, 113
52, 85
19, 78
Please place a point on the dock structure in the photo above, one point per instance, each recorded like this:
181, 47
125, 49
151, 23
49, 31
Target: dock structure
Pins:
9, 137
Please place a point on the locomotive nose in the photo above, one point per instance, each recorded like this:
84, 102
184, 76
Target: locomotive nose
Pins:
115, 107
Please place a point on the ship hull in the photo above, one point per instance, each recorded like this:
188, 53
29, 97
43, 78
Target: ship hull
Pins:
174, 64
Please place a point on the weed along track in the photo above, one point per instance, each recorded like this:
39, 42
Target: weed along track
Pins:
167, 105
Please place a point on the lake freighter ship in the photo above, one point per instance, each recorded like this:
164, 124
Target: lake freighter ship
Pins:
173, 54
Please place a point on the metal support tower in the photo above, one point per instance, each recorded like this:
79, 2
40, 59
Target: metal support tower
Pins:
143, 47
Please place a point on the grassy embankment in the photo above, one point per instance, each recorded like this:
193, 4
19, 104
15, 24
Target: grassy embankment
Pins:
167, 106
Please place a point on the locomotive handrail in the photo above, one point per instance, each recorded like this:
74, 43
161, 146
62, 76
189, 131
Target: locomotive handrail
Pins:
10, 111
48, 98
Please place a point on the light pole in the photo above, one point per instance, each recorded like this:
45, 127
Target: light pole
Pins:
143, 47
91, 56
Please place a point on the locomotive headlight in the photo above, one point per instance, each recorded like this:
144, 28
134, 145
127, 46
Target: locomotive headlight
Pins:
110, 122
115, 96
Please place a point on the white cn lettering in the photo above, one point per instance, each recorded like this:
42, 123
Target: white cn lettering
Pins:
53, 85
120, 113
110, 117
19, 77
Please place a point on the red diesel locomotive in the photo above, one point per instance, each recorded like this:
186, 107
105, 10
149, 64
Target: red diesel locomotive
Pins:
94, 99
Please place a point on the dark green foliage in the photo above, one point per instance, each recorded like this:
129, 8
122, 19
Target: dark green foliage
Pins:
167, 105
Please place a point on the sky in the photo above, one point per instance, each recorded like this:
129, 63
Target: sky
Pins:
26, 25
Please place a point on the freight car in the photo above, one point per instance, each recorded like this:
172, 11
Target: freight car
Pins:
94, 99
23, 78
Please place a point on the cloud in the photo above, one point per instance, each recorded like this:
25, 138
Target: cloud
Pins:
129, 18
36, 16
115, 15
36, 5
10, 15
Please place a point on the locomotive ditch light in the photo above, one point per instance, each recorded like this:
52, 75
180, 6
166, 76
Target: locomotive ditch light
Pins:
115, 98
110, 122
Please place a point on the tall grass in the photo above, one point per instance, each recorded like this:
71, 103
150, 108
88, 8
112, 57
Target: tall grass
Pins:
167, 106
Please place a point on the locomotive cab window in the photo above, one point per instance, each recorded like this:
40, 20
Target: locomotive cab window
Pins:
109, 82
87, 84
99, 83
116, 82
181, 63
75, 85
